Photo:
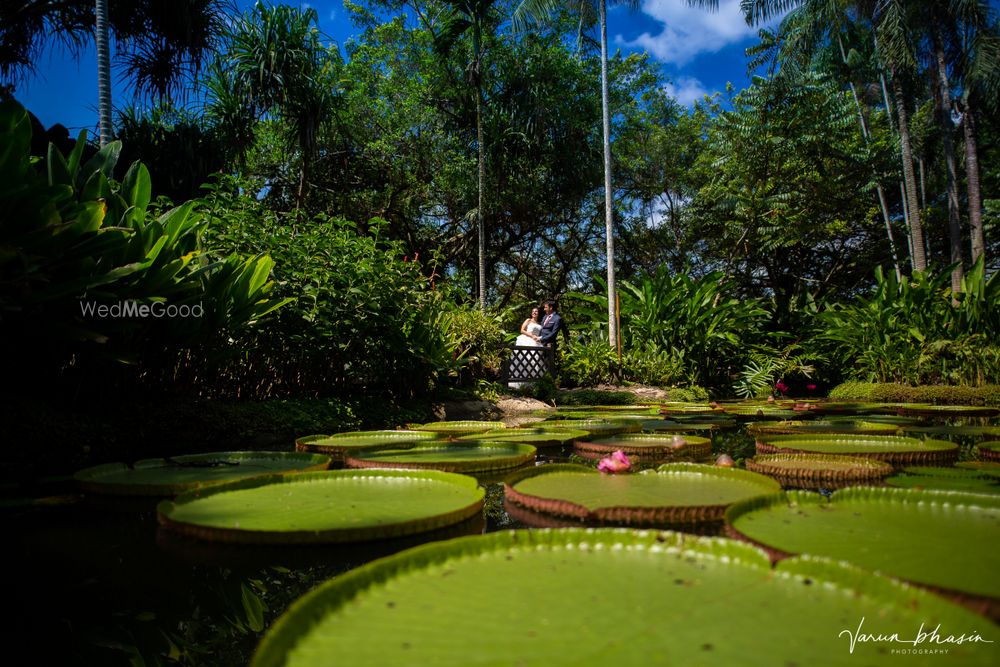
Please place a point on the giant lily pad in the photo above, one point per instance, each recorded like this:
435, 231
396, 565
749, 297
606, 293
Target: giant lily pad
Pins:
951, 479
449, 457
852, 408
845, 426
818, 471
690, 409
595, 427
989, 451
945, 540
896, 450
457, 429
584, 598
675, 494
170, 476
645, 447
967, 431
931, 410
764, 412
340, 444
536, 437
324, 507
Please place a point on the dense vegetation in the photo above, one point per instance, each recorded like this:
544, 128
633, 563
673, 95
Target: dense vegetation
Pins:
324, 205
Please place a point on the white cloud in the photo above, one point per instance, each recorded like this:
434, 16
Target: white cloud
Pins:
687, 90
689, 31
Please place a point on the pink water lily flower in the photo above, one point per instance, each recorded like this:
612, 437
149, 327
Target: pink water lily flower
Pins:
615, 463
781, 386
811, 387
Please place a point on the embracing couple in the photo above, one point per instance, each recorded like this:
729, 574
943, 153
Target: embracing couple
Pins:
541, 331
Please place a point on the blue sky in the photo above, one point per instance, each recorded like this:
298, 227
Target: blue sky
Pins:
700, 51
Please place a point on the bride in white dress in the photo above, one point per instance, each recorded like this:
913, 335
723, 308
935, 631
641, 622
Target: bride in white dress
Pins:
530, 330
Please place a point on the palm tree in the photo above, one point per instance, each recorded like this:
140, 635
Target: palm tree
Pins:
471, 16
103, 71
539, 11
159, 45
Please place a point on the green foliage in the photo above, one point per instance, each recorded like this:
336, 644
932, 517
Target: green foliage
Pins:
595, 397
676, 329
892, 392
766, 366
75, 240
911, 332
589, 361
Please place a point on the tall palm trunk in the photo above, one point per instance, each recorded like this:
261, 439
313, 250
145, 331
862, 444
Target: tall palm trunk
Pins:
608, 204
481, 231
103, 71
948, 145
878, 186
919, 259
972, 181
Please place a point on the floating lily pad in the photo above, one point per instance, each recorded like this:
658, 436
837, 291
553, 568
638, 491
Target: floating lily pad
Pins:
324, 507
648, 448
594, 427
989, 451
947, 410
537, 437
457, 429
170, 476
951, 479
339, 444
817, 471
985, 467
665, 426
852, 408
792, 427
896, 450
764, 412
689, 409
636, 412
449, 457
676, 494
588, 598
974, 432
898, 420
945, 540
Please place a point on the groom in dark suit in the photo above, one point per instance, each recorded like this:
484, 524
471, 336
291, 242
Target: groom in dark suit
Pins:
551, 324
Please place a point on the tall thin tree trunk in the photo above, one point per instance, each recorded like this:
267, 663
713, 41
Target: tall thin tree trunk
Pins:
916, 228
948, 145
972, 182
923, 182
878, 186
103, 71
608, 204
479, 213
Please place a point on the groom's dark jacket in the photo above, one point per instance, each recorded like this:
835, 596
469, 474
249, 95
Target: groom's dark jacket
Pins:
550, 327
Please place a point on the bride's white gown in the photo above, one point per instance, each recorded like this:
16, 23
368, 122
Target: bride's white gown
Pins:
527, 341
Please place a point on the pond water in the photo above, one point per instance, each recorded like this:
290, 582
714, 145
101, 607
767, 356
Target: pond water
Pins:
95, 581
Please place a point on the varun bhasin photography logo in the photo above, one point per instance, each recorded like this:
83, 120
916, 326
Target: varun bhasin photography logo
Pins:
134, 309
924, 641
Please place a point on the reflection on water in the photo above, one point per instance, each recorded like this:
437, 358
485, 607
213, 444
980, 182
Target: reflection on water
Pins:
95, 581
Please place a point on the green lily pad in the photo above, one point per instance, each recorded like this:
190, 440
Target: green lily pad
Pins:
792, 427
594, 427
953, 431
765, 412
898, 420
636, 412
852, 408
689, 409
896, 450
646, 447
818, 471
932, 410
989, 451
665, 426
339, 444
324, 507
675, 494
167, 477
951, 479
537, 437
991, 468
457, 429
449, 457
946, 540
584, 598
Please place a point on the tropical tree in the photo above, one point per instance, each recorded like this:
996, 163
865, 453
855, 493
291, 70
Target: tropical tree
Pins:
472, 17
160, 46
539, 11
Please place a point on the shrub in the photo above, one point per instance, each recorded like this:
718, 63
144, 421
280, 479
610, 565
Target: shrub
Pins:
892, 392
